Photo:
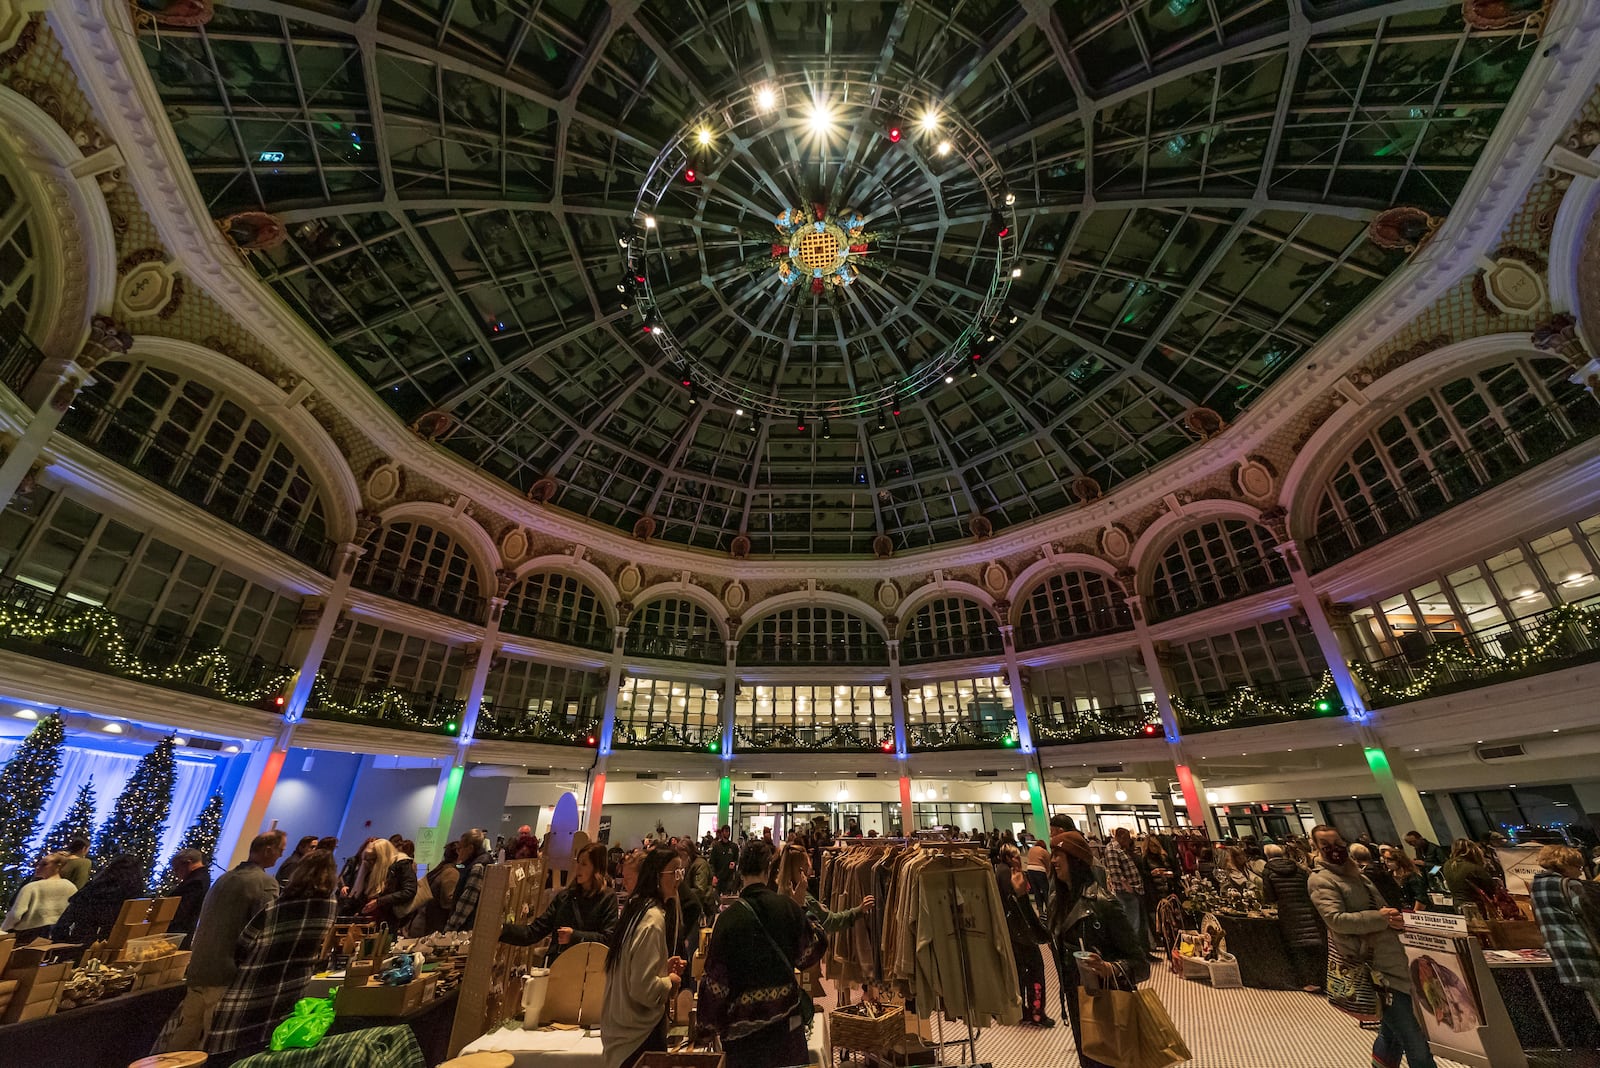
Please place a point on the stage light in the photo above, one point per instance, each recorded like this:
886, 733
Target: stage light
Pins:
895, 410
1011, 198
827, 428
883, 423
800, 422
894, 135
766, 98
949, 379
930, 120
821, 119
704, 136
998, 224
738, 411
652, 323
649, 222
689, 175
943, 148
1016, 272
694, 394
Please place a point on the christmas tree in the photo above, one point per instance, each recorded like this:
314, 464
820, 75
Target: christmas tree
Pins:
25, 784
201, 835
77, 823
140, 814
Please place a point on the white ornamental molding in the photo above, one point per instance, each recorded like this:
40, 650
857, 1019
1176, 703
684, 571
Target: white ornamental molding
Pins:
1115, 542
995, 578
98, 40
735, 596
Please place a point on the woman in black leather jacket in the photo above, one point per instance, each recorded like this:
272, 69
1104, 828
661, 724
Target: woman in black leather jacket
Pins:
584, 911
1022, 923
1085, 916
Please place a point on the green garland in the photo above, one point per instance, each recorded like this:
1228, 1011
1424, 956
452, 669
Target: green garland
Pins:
841, 736
388, 705
534, 727
101, 630
1444, 661
661, 734
959, 735
1090, 725
1245, 703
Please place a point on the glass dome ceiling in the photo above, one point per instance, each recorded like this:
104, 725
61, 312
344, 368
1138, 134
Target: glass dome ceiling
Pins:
461, 178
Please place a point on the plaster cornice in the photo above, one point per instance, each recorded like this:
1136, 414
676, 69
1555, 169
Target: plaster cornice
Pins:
98, 39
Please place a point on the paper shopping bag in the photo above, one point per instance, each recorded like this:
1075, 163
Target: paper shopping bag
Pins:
1109, 1027
1160, 1044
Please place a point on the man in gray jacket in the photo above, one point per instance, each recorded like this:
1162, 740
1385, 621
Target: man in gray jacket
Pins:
1364, 931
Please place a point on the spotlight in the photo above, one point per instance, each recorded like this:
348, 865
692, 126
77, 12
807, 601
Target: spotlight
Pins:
738, 411
895, 410
1011, 198
1016, 272
997, 223
694, 394
949, 379
704, 136
883, 423
689, 175
943, 148
652, 323
827, 428
766, 98
649, 222
800, 422
930, 120
821, 119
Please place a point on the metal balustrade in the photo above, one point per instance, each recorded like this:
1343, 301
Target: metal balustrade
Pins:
111, 433
43, 624
514, 723
961, 734
812, 737
551, 627
666, 736
693, 649
792, 652
1434, 490
1440, 662
373, 702
20, 359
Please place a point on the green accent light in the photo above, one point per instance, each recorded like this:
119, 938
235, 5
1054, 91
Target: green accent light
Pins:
1378, 761
713, 746
1324, 706
451, 726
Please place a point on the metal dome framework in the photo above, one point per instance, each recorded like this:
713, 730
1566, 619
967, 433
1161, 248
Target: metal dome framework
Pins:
1192, 186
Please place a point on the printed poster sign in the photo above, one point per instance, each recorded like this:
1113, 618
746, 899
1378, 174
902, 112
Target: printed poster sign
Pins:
1520, 867
1441, 995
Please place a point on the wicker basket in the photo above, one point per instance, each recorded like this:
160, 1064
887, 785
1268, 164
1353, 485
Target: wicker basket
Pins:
849, 1028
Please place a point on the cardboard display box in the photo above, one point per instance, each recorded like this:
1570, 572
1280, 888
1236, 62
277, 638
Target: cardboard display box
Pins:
375, 999
37, 990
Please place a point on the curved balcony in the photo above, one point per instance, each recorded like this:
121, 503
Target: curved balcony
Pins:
412, 586
1546, 433
1273, 701
666, 736
113, 435
372, 703
547, 626
837, 737
1445, 662
41, 624
1106, 723
773, 654
512, 723
684, 647
1045, 632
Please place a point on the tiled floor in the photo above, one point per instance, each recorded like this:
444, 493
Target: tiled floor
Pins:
1224, 1029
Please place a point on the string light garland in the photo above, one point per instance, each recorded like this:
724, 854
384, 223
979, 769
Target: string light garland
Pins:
77, 823
1094, 723
534, 726
1244, 702
202, 835
662, 735
1447, 664
390, 706
26, 783
100, 636
960, 735
840, 736
140, 814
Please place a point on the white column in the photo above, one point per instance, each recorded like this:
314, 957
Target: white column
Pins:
608, 726
309, 657
1032, 768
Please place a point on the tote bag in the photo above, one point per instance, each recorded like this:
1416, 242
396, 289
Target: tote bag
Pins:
1109, 1027
1160, 1044
1350, 987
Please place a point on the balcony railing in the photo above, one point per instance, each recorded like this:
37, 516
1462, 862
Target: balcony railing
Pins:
1463, 660
1038, 633
792, 652
379, 705
1099, 724
515, 723
563, 630
41, 624
1547, 432
19, 358
1270, 701
1218, 586
424, 590
950, 647
961, 734
112, 434
666, 736
837, 737
694, 649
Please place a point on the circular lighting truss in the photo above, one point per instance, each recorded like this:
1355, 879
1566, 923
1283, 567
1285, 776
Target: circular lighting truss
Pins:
809, 251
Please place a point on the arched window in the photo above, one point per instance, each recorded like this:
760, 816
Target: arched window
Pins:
1215, 562
1069, 605
200, 444
16, 261
950, 628
675, 628
557, 607
423, 565
813, 635
1450, 443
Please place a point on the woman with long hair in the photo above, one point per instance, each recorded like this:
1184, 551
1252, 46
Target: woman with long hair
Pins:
1466, 875
641, 976
1086, 917
92, 912
277, 953
1408, 877
390, 884
584, 911
442, 879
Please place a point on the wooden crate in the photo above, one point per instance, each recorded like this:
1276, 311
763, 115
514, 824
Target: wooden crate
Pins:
491, 990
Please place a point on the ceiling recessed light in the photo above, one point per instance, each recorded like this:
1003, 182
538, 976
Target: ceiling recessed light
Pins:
26, 713
112, 728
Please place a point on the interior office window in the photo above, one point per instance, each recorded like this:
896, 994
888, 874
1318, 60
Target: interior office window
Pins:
1113, 688
1276, 651
982, 703
812, 711
373, 658
1072, 604
1215, 562
646, 704
550, 604
949, 628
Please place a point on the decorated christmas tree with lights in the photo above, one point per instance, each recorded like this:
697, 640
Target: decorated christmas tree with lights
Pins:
202, 835
141, 811
25, 785
77, 823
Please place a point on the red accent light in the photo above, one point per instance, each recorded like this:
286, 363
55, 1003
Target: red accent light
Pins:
894, 134
1149, 730
895, 411
687, 383
590, 739
279, 701
888, 746
1004, 230
688, 176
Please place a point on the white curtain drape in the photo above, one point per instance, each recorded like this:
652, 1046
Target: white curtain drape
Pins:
110, 772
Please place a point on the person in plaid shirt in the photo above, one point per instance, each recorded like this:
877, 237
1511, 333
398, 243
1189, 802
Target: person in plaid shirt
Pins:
475, 860
1568, 910
1122, 875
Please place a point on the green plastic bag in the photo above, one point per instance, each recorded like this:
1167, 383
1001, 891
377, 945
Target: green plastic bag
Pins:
306, 1025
